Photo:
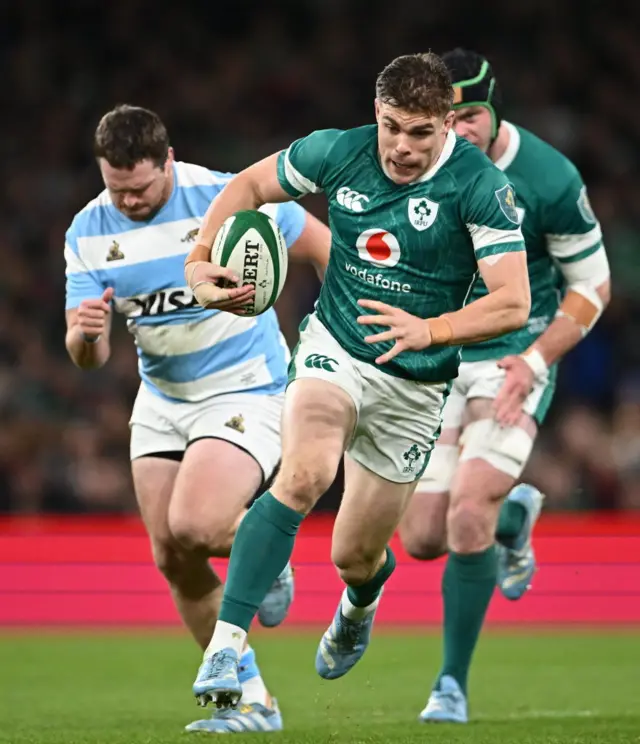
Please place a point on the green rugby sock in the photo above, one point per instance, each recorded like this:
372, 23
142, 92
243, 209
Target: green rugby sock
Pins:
511, 520
366, 594
467, 587
262, 546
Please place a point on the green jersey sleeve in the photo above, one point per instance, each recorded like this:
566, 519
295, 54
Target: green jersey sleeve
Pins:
491, 216
572, 231
303, 165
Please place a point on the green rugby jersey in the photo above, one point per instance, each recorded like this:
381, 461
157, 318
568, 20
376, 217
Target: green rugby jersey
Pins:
413, 246
559, 229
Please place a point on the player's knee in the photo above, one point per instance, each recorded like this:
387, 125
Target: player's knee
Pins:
187, 573
198, 538
423, 529
355, 572
355, 565
169, 560
423, 545
471, 521
300, 485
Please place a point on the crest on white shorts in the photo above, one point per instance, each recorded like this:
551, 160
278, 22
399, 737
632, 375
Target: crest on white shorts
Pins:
411, 457
236, 423
422, 212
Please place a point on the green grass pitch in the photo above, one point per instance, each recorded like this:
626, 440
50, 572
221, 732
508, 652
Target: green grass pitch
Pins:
134, 688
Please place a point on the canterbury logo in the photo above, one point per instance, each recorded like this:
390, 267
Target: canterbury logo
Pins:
350, 199
319, 361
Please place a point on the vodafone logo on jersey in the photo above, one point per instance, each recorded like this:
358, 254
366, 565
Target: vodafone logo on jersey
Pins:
379, 247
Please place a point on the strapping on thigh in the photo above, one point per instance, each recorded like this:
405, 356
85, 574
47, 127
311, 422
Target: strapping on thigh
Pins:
505, 448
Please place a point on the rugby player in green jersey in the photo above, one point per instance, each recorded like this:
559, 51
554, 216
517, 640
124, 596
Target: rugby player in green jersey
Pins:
504, 387
415, 213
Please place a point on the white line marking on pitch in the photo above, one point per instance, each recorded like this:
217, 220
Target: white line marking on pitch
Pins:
539, 714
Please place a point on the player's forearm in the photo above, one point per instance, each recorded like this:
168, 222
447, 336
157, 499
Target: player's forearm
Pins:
493, 315
240, 193
571, 324
85, 354
559, 338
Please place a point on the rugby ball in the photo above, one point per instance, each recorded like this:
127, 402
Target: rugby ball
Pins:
251, 244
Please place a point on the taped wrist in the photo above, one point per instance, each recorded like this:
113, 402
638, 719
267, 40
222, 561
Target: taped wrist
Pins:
441, 331
536, 362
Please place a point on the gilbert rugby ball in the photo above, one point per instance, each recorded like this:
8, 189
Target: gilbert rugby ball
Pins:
251, 244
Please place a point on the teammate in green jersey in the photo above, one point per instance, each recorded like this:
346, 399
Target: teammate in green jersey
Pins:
415, 212
505, 385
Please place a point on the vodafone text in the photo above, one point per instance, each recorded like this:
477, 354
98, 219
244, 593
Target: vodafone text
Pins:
377, 280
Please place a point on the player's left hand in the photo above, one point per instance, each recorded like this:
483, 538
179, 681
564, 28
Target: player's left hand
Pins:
515, 389
409, 332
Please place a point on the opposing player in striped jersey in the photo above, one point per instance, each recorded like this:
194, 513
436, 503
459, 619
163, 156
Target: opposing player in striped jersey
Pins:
505, 385
205, 427
415, 213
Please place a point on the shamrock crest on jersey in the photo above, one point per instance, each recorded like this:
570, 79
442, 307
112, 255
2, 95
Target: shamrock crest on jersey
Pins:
422, 212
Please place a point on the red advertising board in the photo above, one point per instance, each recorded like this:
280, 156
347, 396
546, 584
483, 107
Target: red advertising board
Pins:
98, 572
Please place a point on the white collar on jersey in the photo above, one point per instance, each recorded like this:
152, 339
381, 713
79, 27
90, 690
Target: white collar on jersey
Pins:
509, 155
449, 144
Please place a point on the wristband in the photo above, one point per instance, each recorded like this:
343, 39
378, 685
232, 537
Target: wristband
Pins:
536, 363
441, 330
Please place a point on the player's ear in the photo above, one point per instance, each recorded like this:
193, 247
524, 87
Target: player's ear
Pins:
448, 121
170, 158
376, 105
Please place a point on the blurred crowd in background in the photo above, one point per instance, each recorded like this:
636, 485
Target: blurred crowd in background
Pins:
234, 82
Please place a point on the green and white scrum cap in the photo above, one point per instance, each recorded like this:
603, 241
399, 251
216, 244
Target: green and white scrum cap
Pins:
474, 83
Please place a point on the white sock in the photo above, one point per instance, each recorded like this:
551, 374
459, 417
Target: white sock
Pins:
254, 691
253, 687
351, 612
226, 635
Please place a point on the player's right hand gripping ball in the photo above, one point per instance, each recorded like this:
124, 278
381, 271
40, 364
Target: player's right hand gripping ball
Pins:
251, 244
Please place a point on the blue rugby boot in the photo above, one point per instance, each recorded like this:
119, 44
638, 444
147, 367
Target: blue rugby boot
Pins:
517, 562
217, 680
447, 704
249, 718
343, 644
275, 605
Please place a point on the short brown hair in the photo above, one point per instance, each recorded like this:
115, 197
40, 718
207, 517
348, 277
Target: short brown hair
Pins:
127, 135
418, 83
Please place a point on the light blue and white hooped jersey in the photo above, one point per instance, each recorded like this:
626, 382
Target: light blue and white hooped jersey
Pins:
185, 353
